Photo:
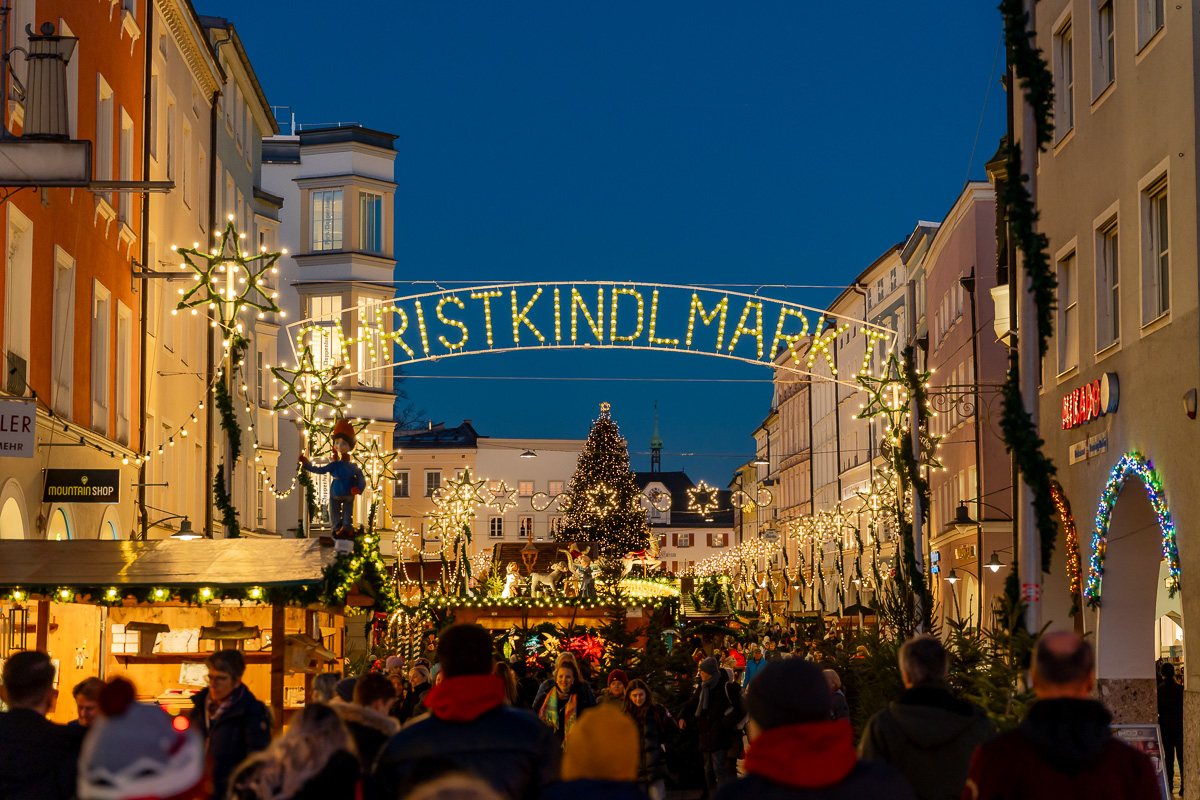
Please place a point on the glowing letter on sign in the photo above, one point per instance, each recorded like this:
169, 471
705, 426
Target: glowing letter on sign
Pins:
791, 339
873, 336
401, 329
822, 341
612, 329
722, 306
597, 325
486, 297
460, 325
756, 331
421, 325
654, 322
523, 317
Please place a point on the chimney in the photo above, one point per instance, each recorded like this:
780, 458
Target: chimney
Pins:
46, 113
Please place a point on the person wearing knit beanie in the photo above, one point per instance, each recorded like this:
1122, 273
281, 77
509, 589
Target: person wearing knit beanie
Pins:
615, 693
600, 759
709, 666
797, 749
136, 751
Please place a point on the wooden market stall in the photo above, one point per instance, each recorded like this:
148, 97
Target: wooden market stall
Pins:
154, 610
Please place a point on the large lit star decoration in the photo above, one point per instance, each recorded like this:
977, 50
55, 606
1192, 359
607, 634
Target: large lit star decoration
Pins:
600, 501
229, 280
887, 394
458, 497
705, 506
503, 497
308, 389
377, 464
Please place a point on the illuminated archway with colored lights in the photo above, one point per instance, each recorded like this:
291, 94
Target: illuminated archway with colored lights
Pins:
585, 315
1131, 464
1074, 568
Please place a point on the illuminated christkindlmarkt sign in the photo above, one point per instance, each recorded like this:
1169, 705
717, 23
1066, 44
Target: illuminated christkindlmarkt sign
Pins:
587, 315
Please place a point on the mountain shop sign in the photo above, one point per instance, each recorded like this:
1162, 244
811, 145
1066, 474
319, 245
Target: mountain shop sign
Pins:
81, 486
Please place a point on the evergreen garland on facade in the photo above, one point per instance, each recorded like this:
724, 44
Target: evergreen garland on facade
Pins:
229, 516
604, 505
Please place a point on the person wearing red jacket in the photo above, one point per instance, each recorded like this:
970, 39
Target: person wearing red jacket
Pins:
1064, 746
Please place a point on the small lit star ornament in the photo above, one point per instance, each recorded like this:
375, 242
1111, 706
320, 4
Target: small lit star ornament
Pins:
229, 279
709, 502
601, 500
503, 497
377, 463
308, 389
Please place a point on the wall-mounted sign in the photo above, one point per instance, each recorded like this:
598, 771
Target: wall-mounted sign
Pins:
964, 552
82, 486
1097, 444
18, 423
1090, 401
1079, 452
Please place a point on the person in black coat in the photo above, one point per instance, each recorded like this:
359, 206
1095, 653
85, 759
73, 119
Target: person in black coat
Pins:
413, 704
366, 719
716, 709
38, 759
234, 723
470, 728
656, 730
1170, 723
314, 759
797, 752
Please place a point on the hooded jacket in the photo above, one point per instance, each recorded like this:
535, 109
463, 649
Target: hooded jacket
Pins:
752, 668
470, 728
241, 729
369, 728
1062, 749
37, 757
930, 736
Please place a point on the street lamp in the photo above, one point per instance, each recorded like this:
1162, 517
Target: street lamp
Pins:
529, 454
993, 563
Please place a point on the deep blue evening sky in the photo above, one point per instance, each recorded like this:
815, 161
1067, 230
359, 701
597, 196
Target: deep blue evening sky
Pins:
758, 142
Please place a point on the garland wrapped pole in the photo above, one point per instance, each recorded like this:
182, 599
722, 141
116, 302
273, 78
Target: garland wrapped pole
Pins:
1036, 525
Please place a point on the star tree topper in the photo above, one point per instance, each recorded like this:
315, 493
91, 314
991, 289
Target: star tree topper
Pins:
229, 279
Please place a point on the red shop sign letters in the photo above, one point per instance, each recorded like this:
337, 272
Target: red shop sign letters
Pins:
1090, 401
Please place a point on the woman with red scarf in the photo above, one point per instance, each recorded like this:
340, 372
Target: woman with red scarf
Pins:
565, 702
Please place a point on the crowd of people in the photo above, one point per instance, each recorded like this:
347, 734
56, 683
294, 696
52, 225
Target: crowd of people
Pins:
470, 725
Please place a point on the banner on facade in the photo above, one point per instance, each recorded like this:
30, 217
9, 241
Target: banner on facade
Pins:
81, 486
18, 424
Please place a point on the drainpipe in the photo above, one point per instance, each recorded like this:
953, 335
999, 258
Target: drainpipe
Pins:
969, 284
148, 130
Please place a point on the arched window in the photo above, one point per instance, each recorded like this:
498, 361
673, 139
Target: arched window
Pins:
59, 530
110, 528
12, 524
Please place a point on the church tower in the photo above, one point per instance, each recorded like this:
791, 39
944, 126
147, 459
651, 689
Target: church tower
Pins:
655, 448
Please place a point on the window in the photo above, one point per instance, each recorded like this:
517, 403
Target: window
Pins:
526, 527
172, 116
325, 312
371, 347
400, 486
327, 220
1064, 82
1156, 261
370, 222
1108, 282
556, 525
260, 372
685, 540
101, 321
433, 482
1150, 20
72, 81
125, 167
260, 504
1068, 314
202, 186
496, 527
1104, 47
124, 373
555, 488
63, 359
104, 133
185, 157
525, 488
18, 282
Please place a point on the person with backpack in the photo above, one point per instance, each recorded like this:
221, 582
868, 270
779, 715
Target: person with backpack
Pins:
719, 715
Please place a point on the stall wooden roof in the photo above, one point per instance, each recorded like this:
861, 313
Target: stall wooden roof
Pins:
164, 562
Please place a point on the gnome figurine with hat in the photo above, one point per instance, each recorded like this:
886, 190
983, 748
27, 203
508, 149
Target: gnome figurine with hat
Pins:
348, 480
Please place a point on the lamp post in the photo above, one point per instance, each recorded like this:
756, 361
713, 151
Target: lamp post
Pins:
962, 523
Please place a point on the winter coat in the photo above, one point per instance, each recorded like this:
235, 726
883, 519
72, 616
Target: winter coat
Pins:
241, 729
737, 656
594, 789
717, 725
930, 736
369, 728
656, 732
38, 758
1170, 706
1062, 749
527, 689
841, 707
866, 782
347, 476
412, 705
508, 747
587, 696
337, 779
752, 668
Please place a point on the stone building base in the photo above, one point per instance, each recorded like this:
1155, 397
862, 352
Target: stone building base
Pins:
1131, 701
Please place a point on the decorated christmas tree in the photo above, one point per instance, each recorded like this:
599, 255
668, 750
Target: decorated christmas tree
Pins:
604, 504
